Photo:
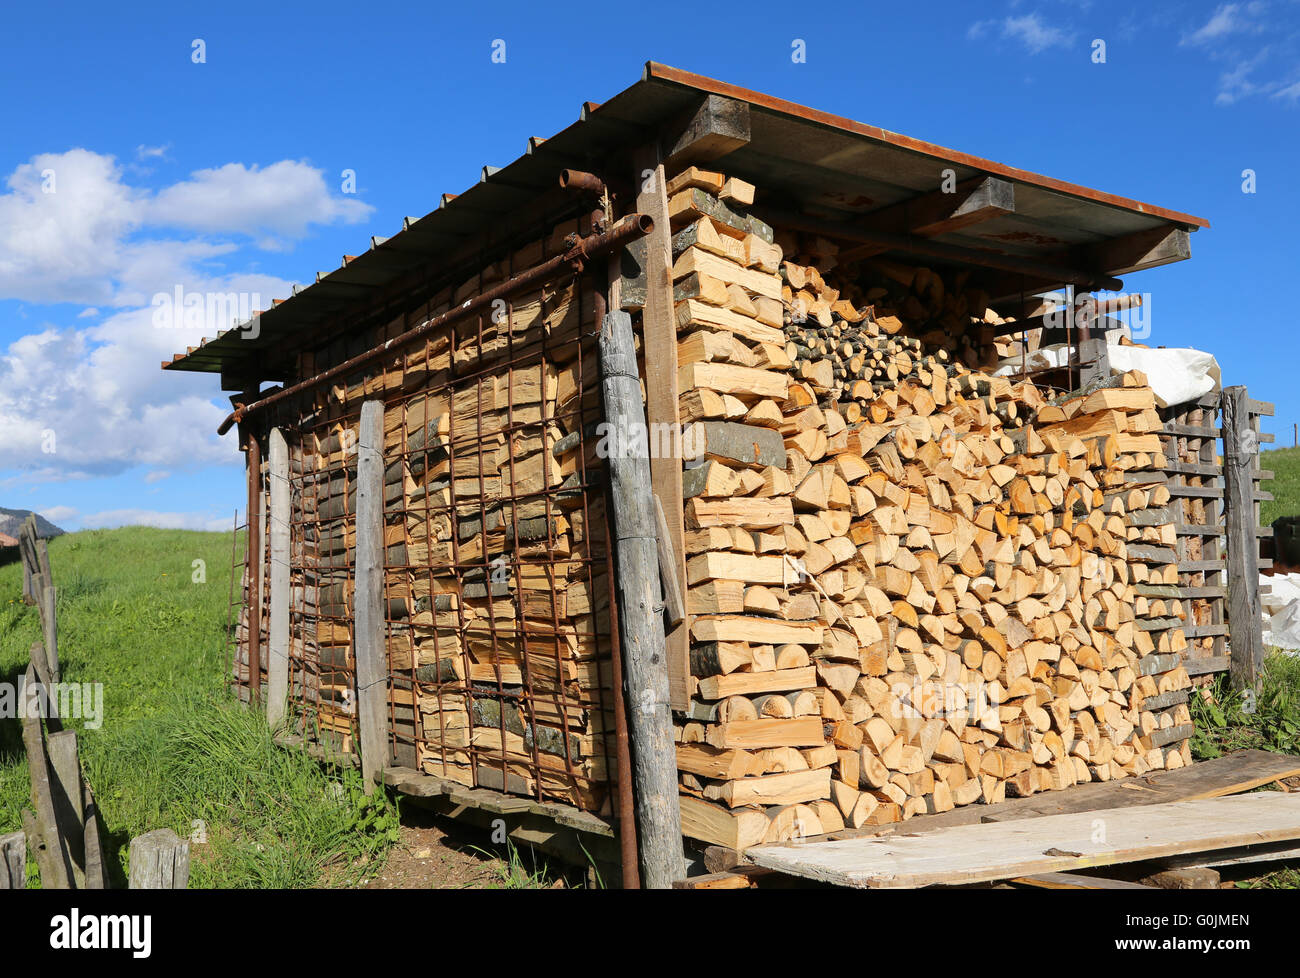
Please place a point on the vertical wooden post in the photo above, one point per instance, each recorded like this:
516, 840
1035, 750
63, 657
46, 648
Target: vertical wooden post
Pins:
69, 808
254, 462
659, 330
372, 660
13, 861
50, 626
159, 860
277, 663
645, 669
1240, 458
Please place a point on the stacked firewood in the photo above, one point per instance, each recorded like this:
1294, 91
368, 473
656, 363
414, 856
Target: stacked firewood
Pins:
914, 584
496, 584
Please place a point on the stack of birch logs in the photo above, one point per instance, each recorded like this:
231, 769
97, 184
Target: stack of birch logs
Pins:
914, 585
496, 581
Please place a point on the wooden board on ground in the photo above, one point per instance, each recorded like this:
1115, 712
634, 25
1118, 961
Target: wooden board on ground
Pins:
1228, 775
1076, 881
1049, 844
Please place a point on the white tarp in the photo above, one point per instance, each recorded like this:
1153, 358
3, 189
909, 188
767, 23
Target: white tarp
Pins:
1176, 375
1280, 606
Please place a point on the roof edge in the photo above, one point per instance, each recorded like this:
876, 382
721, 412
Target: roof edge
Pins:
667, 73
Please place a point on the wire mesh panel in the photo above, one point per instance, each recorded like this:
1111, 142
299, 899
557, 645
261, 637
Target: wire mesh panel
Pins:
497, 565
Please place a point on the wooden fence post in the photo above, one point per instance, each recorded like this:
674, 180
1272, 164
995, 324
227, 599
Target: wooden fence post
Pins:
160, 860
372, 659
253, 452
13, 861
42, 823
1240, 458
277, 663
645, 667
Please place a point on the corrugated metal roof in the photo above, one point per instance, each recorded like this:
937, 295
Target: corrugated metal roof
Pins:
822, 161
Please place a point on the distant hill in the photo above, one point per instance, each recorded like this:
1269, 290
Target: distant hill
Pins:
11, 521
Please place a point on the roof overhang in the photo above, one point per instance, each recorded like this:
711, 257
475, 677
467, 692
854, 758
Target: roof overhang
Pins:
884, 192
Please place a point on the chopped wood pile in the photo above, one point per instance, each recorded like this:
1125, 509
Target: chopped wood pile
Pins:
914, 585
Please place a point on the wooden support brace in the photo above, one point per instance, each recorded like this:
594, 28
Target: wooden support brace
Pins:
659, 334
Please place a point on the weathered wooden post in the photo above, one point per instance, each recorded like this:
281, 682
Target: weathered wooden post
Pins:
13, 861
372, 660
277, 663
1240, 459
69, 806
160, 860
254, 634
645, 668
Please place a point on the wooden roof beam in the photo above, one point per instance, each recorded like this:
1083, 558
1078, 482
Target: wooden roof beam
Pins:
938, 212
717, 126
1144, 249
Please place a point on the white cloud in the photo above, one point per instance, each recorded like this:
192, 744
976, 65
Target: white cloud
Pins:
90, 400
1035, 35
1028, 29
58, 514
283, 198
152, 517
152, 152
157, 475
73, 230
1229, 18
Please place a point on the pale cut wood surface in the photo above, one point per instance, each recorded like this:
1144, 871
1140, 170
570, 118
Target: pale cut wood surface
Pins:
1051, 844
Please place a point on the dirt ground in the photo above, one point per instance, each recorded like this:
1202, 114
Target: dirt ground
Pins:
435, 853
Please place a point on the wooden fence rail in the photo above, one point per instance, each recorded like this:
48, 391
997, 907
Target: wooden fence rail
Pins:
62, 827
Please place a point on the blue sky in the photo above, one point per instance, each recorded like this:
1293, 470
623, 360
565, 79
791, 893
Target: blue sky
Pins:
228, 174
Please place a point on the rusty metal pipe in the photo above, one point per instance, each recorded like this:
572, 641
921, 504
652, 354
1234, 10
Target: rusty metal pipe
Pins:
581, 180
585, 249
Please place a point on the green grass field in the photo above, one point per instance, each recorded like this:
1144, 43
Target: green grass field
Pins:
174, 751
1285, 487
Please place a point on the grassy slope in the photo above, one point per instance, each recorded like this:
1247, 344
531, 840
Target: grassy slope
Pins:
1285, 487
173, 750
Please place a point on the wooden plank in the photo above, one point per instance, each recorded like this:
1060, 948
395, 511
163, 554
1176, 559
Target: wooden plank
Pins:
371, 654
1076, 881
277, 666
739, 878
659, 334
643, 642
1228, 775
1051, 843
1199, 667
1240, 458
